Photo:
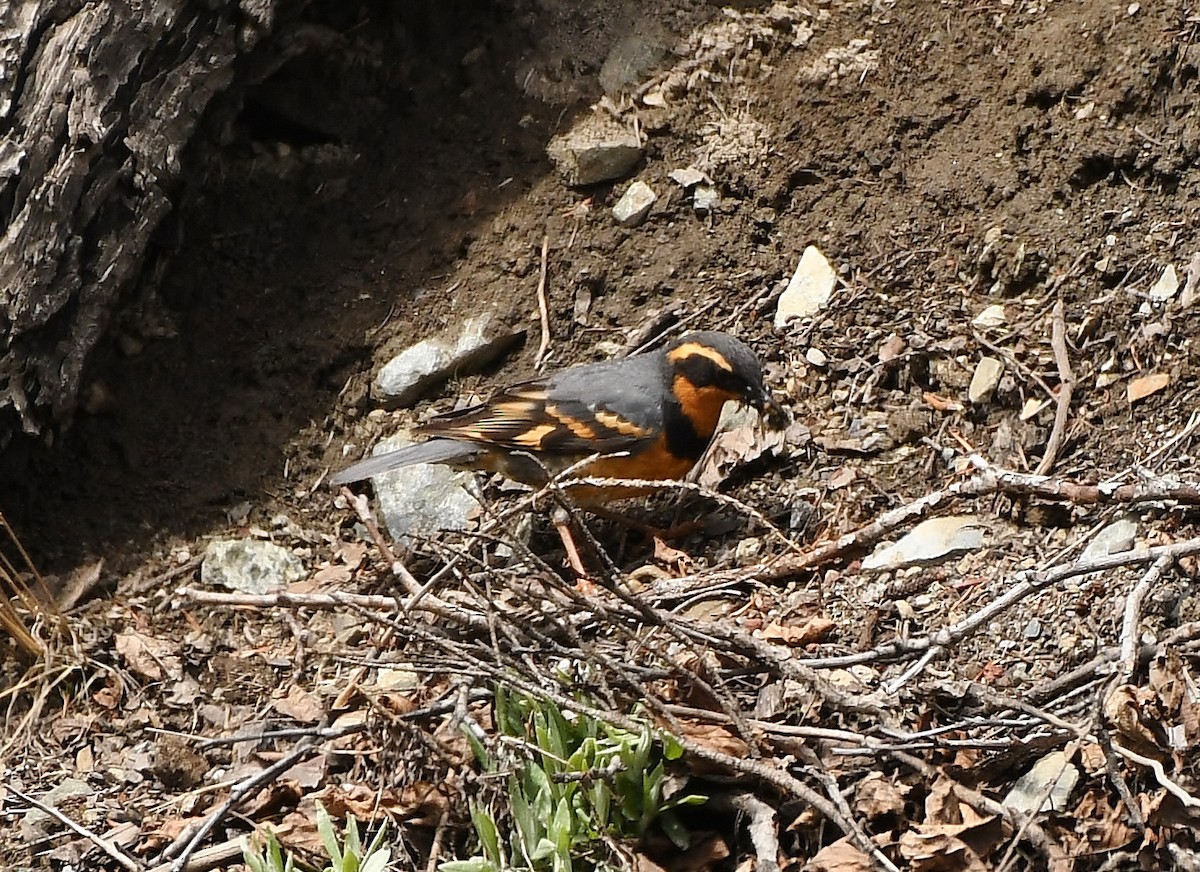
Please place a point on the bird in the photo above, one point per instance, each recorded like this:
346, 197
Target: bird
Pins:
647, 416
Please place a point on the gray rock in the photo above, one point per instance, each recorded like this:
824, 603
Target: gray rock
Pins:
630, 59
37, 823
423, 499
1054, 769
929, 541
1113, 539
410, 374
809, 290
249, 565
634, 205
595, 150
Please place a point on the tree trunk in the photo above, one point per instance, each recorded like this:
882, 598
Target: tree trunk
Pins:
98, 102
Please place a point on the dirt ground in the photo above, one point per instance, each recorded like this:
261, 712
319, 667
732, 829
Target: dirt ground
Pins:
944, 156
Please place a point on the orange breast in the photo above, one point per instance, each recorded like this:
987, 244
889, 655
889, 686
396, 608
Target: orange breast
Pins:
655, 463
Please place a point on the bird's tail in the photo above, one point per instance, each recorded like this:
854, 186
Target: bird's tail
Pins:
450, 451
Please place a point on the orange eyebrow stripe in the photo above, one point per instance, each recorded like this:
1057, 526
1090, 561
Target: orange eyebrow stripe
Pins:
613, 421
695, 349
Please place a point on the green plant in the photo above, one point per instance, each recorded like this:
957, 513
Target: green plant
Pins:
268, 858
346, 856
577, 782
350, 855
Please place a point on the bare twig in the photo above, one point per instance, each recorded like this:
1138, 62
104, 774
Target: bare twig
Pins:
240, 792
1133, 614
1044, 794
761, 825
103, 844
439, 838
1066, 386
219, 856
1148, 490
989, 480
157, 582
543, 305
1159, 773
330, 601
362, 508
1022, 585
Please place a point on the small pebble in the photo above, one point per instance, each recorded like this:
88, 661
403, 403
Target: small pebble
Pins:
748, 550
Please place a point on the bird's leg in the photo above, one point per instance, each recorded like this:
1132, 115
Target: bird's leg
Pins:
562, 523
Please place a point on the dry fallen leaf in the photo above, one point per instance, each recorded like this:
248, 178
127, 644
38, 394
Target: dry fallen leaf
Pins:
842, 477
703, 856
877, 796
744, 439
1107, 830
300, 705
420, 803
841, 856
1140, 388
813, 630
109, 696
331, 577
664, 553
1133, 713
148, 657
308, 774
929, 850
716, 738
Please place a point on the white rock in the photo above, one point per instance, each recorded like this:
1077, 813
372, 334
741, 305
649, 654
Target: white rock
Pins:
929, 540
816, 357
595, 150
406, 377
689, 177
1053, 769
1166, 286
705, 198
992, 316
249, 565
810, 289
1190, 285
984, 381
1032, 406
634, 205
423, 499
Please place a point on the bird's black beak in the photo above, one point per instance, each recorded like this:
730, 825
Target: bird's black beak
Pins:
769, 410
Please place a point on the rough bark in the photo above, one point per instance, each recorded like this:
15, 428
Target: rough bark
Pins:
98, 102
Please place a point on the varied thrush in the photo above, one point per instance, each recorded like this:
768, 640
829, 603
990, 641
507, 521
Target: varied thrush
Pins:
649, 416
